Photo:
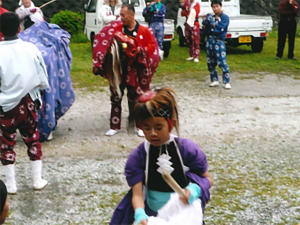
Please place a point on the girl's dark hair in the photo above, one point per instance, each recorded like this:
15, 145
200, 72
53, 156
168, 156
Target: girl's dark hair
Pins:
164, 99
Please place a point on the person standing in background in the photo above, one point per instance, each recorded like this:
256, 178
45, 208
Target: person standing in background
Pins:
216, 27
191, 10
111, 10
288, 10
22, 75
28, 14
157, 10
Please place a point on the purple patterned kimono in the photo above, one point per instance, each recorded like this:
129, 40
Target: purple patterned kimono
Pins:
193, 158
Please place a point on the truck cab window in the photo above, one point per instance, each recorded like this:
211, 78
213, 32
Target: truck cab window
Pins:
92, 6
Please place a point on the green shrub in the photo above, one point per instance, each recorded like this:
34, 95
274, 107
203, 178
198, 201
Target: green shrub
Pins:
69, 21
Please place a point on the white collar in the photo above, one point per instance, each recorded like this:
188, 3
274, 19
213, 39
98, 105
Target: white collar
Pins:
147, 143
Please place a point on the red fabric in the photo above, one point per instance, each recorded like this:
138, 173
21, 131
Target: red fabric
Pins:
285, 8
192, 37
24, 118
140, 73
136, 76
2, 10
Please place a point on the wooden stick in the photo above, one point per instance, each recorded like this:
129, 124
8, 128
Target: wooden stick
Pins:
47, 3
174, 185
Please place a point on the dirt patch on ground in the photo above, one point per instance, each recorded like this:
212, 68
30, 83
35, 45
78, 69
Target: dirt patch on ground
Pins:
250, 134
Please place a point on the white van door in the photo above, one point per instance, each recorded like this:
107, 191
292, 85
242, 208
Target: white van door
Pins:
93, 21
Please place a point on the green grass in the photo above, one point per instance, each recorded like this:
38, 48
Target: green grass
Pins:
241, 60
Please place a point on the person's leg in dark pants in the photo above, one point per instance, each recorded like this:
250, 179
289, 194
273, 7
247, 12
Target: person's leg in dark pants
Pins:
292, 27
282, 32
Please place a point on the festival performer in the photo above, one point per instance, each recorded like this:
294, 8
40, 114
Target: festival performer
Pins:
157, 11
131, 67
157, 110
191, 10
216, 27
111, 10
53, 43
29, 14
2, 10
287, 25
22, 75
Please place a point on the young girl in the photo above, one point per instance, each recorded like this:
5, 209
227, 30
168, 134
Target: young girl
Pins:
157, 111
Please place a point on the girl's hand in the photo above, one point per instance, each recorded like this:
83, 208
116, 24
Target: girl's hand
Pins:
185, 200
143, 222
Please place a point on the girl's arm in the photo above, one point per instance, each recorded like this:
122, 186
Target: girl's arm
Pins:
138, 204
137, 196
209, 177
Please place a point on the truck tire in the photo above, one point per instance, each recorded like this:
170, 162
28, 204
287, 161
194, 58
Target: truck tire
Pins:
92, 39
181, 37
257, 45
166, 47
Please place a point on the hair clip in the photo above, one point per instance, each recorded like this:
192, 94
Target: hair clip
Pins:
148, 95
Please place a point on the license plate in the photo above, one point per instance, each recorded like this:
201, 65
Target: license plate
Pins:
245, 39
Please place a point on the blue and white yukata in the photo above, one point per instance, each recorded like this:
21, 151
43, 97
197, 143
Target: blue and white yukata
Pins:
157, 21
215, 46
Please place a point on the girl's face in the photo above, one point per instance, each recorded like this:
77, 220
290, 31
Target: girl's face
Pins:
156, 130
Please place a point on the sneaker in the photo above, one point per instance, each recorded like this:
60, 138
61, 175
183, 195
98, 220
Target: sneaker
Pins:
292, 58
140, 132
196, 60
189, 58
161, 55
111, 132
214, 84
277, 57
50, 137
227, 86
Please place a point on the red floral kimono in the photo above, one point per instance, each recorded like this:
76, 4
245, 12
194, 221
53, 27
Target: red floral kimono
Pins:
136, 76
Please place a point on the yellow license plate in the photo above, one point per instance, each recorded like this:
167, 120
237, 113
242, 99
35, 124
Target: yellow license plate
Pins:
245, 39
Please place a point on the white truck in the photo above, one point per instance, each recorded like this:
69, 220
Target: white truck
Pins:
94, 23
243, 29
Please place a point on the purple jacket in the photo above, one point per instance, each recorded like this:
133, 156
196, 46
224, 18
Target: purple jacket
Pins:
192, 156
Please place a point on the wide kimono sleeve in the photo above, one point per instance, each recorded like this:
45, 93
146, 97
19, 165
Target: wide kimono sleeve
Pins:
101, 47
195, 159
135, 166
134, 172
222, 25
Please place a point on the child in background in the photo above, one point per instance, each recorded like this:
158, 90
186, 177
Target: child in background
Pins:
158, 113
22, 75
3, 202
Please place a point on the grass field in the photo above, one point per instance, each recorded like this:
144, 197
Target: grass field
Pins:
240, 60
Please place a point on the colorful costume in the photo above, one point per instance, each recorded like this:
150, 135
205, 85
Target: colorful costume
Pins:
192, 28
188, 161
215, 46
22, 73
53, 43
136, 72
287, 26
158, 12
